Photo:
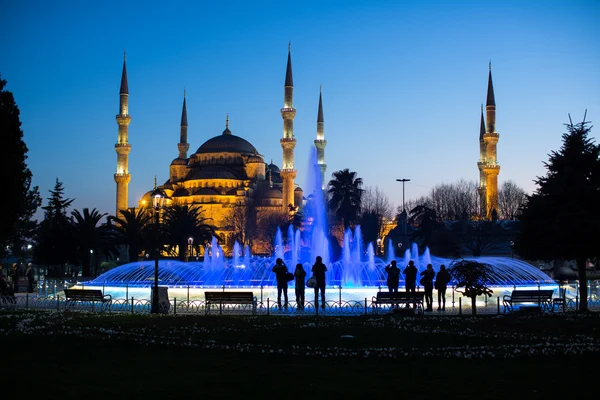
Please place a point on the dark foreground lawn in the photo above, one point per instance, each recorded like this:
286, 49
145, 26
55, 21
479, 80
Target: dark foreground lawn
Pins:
78, 355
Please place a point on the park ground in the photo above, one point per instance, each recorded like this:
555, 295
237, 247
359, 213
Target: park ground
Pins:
70, 355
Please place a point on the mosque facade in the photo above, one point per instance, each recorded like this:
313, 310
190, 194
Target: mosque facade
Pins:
226, 172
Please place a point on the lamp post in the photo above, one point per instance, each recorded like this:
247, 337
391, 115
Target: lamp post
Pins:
158, 202
403, 180
190, 247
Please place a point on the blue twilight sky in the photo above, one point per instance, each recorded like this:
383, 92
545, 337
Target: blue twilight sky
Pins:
403, 82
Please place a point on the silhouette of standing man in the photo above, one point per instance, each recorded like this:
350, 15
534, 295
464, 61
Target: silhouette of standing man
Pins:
319, 269
410, 277
280, 271
393, 276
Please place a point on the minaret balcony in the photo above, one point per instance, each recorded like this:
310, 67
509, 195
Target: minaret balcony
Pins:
288, 110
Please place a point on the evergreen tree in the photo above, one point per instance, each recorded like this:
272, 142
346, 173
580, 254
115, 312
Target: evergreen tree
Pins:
54, 239
19, 200
561, 219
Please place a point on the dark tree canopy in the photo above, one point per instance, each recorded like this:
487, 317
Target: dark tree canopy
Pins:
472, 279
53, 247
19, 200
561, 219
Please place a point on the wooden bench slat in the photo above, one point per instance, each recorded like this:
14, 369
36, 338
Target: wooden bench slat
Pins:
86, 295
542, 297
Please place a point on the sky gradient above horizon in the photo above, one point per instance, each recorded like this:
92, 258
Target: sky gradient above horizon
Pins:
403, 82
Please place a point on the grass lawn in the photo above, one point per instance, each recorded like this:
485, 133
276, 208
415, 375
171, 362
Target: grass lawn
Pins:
74, 355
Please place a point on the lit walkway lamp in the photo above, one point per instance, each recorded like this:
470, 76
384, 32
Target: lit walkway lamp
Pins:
190, 247
158, 203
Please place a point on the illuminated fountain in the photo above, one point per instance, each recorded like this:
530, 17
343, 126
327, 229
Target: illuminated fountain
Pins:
357, 270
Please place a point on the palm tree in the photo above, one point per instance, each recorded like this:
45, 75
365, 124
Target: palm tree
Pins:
182, 222
132, 230
88, 237
345, 196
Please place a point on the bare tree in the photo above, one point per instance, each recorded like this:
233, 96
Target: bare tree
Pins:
241, 222
451, 201
510, 200
376, 209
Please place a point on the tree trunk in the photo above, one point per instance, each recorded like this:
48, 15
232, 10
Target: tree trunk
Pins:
582, 275
473, 305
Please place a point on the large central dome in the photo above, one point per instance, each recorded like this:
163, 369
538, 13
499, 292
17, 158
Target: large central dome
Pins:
227, 143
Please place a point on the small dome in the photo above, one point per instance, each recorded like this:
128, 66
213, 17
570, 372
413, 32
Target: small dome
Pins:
272, 193
227, 143
179, 161
255, 159
272, 167
298, 189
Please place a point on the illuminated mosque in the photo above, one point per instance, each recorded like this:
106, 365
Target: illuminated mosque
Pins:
226, 170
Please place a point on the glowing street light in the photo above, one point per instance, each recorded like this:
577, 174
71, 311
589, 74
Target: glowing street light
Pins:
403, 180
158, 203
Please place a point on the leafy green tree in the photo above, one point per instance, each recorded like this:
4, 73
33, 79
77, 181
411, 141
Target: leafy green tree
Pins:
54, 248
345, 196
182, 222
561, 219
87, 236
131, 229
20, 201
472, 279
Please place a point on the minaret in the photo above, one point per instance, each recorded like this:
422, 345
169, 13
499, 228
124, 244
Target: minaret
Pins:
122, 176
288, 142
320, 141
491, 168
183, 145
480, 165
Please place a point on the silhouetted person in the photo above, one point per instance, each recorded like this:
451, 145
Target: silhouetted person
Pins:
441, 283
281, 271
14, 275
393, 276
300, 275
410, 276
30, 274
427, 282
318, 270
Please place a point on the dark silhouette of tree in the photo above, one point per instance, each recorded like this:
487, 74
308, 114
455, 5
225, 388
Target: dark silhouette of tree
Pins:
19, 200
89, 235
54, 248
345, 196
561, 219
131, 230
268, 222
480, 237
425, 219
472, 279
182, 222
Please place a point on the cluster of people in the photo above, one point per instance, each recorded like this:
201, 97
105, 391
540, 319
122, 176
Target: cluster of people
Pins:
283, 276
13, 277
427, 281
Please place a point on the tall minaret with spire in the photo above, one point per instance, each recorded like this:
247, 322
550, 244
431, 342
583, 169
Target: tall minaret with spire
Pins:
178, 166
491, 168
183, 145
320, 141
288, 142
122, 176
480, 164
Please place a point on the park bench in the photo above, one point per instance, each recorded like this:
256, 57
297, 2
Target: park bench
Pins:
400, 298
87, 295
229, 298
542, 298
